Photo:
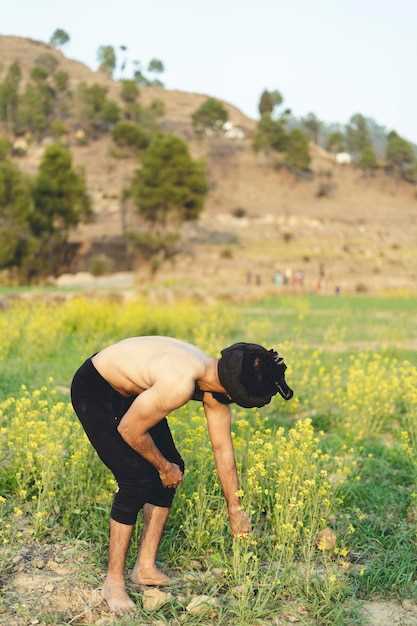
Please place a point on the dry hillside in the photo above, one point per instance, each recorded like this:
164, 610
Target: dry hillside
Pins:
362, 234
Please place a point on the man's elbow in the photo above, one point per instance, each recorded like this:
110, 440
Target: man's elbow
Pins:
127, 435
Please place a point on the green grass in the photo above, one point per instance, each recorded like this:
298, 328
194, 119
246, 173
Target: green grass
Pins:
376, 512
385, 540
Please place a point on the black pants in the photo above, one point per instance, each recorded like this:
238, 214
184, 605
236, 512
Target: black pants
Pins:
100, 408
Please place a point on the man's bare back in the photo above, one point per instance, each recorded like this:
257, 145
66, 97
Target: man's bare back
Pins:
135, 364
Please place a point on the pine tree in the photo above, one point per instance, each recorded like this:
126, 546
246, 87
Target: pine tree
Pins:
60, 195
15, 210
210, 116
170, 185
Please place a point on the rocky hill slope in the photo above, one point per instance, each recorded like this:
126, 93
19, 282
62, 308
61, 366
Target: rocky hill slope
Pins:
355, 232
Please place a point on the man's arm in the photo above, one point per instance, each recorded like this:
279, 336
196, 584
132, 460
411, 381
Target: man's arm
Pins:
219, 422
149, 408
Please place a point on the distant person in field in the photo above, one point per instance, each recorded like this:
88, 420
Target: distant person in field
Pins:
122, 396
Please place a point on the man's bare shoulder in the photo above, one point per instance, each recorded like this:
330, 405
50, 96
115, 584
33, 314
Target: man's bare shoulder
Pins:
177, 365
173, 393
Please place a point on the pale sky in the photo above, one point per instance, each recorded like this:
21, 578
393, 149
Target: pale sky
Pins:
333, 57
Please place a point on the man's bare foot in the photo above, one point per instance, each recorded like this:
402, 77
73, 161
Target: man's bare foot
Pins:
149, 575
114, 593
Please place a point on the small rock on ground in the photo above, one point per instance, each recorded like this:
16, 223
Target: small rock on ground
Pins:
154, 599
201, 604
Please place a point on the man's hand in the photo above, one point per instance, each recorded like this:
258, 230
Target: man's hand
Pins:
171, 475
239, 522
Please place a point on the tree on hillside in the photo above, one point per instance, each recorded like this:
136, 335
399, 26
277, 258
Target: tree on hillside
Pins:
15, 210
367, 159
59, 38
61, 200
271, 131
106, 56
170, 186
37, 215
146, 117
97, 113
271, 135
336, 142
269, 101
36, 104
5, 148
297, 156
139, 74
130, 135
9, 95
156, 68
357, 134
129, 91
400, 157
265, 105
45, 97
63, 94
124, 61
210, 116
47, 62
61, 81
312, 124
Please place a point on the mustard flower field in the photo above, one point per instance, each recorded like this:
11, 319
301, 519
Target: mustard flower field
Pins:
329, 479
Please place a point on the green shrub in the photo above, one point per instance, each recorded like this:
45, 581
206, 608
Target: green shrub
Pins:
39, 74
170, 184
107, 59
59, 38
98, 113
297, 155
61, 80
154, 247
9, 95
130, 135
211, 115
58, 128
129, 91
157, 107
269, 101
101, 264
60, 194
36, 107
5, 148
146, 117
270, 135
47, 61
15, 209
367, 159
336, 142
400, 157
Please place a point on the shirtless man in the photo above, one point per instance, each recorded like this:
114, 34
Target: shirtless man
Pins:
122, 396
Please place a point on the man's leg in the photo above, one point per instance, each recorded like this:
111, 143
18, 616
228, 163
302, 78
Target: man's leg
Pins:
114, 590
145, 571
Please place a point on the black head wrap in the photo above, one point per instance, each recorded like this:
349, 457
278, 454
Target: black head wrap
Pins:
231, 367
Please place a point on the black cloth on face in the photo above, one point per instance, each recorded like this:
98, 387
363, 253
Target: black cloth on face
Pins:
230, 369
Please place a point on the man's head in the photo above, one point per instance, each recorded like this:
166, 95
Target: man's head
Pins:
251, 374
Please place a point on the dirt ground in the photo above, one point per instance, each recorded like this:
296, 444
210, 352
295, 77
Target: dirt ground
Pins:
59, 584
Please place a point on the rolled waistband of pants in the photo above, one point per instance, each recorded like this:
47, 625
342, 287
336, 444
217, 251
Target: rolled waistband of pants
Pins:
87, 375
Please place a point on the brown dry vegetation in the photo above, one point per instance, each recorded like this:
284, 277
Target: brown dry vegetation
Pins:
363, 230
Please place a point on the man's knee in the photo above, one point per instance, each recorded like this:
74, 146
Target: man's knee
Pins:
127, 502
